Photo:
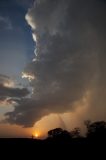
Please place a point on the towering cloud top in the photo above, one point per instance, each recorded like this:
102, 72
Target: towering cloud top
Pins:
69, 58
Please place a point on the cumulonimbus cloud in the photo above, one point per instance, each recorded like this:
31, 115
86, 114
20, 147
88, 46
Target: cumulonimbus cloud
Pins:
69, 58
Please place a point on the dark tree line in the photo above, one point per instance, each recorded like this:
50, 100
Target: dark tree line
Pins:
94, 130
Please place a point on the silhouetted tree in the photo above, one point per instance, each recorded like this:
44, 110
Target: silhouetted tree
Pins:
75, 133
59, 134
97, 130
32, 136
87, 123
55, 132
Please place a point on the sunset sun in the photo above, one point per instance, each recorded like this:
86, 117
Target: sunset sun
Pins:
36, 135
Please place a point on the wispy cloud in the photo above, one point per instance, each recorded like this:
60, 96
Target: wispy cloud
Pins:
5, 23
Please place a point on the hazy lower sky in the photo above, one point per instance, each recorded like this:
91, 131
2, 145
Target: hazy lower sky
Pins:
52, 64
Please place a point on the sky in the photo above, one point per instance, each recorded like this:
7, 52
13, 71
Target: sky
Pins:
52, 65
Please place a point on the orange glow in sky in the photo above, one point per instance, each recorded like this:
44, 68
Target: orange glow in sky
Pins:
36, 134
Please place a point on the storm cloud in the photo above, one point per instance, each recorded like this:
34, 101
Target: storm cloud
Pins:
70, 54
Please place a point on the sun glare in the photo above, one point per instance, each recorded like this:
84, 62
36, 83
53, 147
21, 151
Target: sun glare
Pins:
36, 135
